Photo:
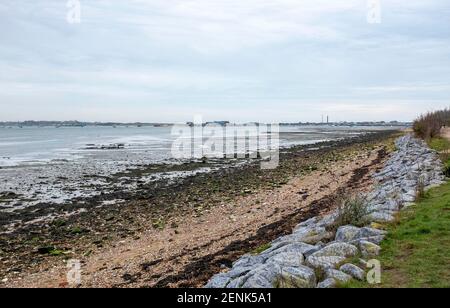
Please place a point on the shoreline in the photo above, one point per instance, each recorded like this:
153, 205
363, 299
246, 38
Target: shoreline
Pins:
101, 228
324, 252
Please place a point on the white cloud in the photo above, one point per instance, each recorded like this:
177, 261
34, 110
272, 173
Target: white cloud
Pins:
208, 55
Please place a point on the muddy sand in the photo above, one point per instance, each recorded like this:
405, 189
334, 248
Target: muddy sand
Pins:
179, 233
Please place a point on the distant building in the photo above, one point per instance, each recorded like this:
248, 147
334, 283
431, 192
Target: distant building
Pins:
221, 123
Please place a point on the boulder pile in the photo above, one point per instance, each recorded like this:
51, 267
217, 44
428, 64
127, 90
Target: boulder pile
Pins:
319, 253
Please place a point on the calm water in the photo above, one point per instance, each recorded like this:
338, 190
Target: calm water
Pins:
37, 145
55, 165
47, 144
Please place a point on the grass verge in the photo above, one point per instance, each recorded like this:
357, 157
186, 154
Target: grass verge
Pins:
439, 144
416, 252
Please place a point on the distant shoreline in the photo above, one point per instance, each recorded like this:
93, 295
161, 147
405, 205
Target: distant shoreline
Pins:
21, 124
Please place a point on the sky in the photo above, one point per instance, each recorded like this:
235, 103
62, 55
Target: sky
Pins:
237, 60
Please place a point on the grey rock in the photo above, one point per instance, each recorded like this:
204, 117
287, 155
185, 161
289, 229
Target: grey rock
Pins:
238, 271
262, 276
410, 196
218, 281
329, 283
353, 271
388, 205
307, 223
324, 262
316, 248
369, 249
367, 232
248, 261
347, 233
299, 248
257, 281
338, 275
287, 259
337, 249
328, 220
311, 235
283, 240
380, 217
373, 239
236, 283
296, 277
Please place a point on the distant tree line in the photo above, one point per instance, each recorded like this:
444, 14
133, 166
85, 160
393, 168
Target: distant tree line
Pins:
429, 125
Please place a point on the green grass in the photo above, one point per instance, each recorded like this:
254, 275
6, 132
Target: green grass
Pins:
416, 252
439, 144
442, 145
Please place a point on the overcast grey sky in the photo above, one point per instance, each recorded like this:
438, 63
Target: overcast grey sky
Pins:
240, 60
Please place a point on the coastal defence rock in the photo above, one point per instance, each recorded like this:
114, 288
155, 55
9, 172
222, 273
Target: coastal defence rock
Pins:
312, 234
369, 249
353, 271
219, 281
324, 262
329, 283
293, 260
352, 234
338, 275
347, 233
337, 250
297, 277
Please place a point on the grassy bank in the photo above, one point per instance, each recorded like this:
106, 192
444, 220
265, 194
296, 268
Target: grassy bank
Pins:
439, 144
416, 252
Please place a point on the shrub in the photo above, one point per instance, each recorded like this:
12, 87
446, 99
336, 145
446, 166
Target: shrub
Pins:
429, 125
352, 211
